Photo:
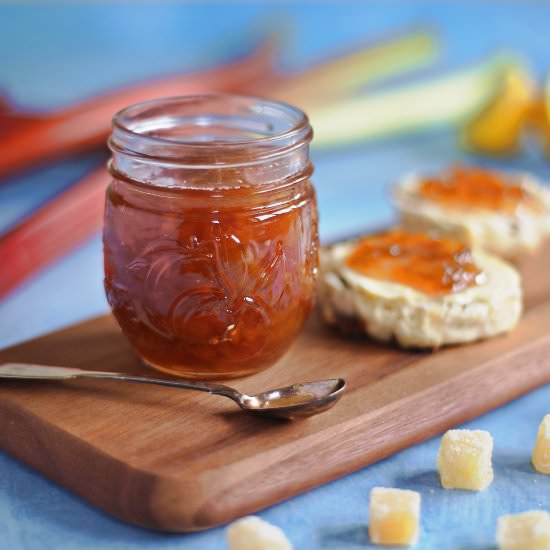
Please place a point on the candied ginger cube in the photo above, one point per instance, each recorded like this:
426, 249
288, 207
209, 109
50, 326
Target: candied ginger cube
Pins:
541, 452
253, 533
464, 460
526, 531
394, 516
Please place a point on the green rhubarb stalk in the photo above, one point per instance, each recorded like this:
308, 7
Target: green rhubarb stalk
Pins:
348, 73
439, 102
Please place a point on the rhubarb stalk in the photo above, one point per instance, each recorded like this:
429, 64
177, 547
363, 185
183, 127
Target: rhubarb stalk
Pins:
442, 101
29, 139
52, 230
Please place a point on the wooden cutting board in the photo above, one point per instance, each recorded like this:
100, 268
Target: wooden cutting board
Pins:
179, 461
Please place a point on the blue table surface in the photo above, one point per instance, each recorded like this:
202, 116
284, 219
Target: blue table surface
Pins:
53, 54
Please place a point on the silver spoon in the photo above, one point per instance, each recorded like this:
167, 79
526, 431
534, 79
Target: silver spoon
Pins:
288, 402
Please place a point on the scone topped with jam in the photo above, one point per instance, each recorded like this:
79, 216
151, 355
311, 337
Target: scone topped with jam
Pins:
505, 214
420, 290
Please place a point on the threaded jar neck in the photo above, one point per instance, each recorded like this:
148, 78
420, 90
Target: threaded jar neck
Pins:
216, 140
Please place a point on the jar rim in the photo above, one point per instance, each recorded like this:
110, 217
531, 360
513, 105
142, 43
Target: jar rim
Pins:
131, 127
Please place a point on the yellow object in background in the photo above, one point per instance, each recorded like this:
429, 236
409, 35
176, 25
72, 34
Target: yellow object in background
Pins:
539, 117
497, 129
541, 452
394, 517
464, 460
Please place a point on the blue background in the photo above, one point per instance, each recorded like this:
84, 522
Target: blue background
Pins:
53, 54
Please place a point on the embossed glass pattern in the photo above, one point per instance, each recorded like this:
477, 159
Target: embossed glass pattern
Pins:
210, 237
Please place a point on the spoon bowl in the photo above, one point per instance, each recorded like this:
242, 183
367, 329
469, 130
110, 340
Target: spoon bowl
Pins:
295, 401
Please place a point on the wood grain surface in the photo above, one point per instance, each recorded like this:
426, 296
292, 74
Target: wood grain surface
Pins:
175, 460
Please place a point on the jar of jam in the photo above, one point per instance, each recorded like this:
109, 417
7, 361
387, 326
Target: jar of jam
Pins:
210, 237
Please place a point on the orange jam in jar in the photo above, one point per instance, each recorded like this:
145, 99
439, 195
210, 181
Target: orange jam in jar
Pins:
468, 187
432, 266
210, 236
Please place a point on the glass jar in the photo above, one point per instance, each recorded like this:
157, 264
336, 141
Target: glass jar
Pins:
210, 237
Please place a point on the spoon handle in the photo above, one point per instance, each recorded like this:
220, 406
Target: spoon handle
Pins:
25, 371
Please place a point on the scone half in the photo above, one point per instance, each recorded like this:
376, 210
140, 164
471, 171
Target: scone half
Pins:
506, 234
388, 310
